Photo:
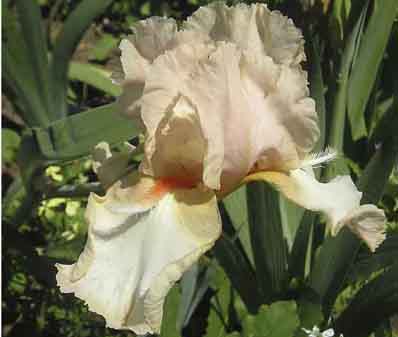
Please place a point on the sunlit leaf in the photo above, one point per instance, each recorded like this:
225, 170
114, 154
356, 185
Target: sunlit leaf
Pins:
236, 207
77, 135
94, 76
169, 325
103, 47
10, 141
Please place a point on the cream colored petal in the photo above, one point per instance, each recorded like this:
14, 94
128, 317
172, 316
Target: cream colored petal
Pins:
225, 117
178, 145
135, 252
253, 28
134, 68
134, 65
166, 81
294, 109
284, 126
168, 114
338, 199
151, 36
186, 73
150, 39
369, 223
257, 114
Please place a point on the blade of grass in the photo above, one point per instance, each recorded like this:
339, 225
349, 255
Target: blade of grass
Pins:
268, 242
301, 255
336, 136
364, 72
236, 207
33, 34
317, 90
32, 109
369, 263
75, 26
339, 106
230, 255
18, 73
360, 317
188, 285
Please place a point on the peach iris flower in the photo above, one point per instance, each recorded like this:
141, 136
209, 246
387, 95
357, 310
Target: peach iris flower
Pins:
223, 100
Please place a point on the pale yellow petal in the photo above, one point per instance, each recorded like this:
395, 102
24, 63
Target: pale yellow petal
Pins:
338, 200
136, 251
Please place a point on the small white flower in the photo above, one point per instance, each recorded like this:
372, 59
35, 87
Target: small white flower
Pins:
315, 332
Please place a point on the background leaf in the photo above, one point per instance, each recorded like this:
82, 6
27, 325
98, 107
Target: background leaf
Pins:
360, 318
268, 242
370, 54
74, 27
94, 76
77, 135
33, 34
280, 319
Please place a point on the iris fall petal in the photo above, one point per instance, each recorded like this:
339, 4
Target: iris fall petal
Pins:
136, 252
338, 200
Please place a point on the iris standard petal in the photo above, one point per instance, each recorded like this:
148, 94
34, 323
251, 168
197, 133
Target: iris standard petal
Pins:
136, 252
150, 39
338, 199
178, 145
152, 36
284, 128
254, 27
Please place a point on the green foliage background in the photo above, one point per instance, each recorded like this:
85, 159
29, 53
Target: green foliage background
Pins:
274, 270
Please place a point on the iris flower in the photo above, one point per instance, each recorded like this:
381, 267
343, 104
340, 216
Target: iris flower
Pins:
222, 101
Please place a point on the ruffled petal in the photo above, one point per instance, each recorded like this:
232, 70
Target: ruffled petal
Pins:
167, 79
169, 114
134, 68
225, 117
264, 118
253, 28
136, 251
152, 36
369, 223
150, 39
285, 123
338, 199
